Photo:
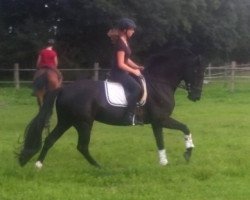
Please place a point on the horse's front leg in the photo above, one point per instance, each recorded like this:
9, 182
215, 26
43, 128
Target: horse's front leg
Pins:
157, 129
174, 124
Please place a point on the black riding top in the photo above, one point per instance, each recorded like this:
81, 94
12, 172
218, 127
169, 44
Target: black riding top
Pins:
119, 46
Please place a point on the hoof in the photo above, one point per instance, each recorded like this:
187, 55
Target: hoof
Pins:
164, 162
163, 157
187, 154
39, 165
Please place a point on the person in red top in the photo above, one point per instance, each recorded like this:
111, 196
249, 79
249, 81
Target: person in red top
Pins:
47, 57
47, 76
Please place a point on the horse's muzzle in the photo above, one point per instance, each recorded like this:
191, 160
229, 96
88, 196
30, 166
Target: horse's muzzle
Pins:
194, 95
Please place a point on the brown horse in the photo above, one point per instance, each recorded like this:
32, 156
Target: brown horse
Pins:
46, 80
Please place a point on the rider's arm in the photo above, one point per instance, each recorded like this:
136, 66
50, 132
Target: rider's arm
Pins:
38, 61
122, 65
134, 65
56, 61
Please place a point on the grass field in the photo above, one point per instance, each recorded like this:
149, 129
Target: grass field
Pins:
219, 169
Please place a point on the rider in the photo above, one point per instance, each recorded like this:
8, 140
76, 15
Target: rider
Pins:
47, 59
123, 68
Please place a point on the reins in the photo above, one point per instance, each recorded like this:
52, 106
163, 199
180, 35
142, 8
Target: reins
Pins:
151, 81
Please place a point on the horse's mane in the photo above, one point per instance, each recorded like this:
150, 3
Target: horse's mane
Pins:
170, 55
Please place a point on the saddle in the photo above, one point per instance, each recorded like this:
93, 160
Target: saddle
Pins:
116, 95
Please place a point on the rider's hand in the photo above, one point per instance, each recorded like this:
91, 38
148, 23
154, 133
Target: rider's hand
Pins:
141, 68
137, 72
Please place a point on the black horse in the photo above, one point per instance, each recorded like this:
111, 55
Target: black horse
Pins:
80, 103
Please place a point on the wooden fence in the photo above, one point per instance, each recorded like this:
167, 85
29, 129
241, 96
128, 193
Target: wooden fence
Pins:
229, 74
15, 74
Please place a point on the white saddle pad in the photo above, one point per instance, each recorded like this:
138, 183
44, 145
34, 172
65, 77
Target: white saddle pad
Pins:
115, 94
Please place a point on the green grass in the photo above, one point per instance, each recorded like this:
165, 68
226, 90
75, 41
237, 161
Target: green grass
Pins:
219, 168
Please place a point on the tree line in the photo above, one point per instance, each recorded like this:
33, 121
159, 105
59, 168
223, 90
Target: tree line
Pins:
216, 29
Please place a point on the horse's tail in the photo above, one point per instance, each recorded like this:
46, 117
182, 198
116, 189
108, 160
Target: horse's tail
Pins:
33, 133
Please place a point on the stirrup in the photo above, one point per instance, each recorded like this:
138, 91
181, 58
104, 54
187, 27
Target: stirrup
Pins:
131, 119
136, 121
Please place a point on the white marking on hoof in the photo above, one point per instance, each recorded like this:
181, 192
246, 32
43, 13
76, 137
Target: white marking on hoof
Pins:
163, 157
39, 165
163, 162
189, 141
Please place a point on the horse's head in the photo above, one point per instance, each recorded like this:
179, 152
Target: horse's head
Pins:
176, 65
193, 77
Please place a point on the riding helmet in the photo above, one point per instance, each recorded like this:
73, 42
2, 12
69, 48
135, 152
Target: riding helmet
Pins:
125, 24
51, 41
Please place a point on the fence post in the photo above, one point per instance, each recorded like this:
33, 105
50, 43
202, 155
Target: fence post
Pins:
209, 71
232, 82
16, 76
96, 71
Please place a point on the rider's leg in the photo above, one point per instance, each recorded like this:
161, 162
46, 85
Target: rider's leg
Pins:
134, 88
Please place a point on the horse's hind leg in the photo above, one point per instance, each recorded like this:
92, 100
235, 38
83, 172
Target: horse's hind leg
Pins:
84, 131
50, 141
